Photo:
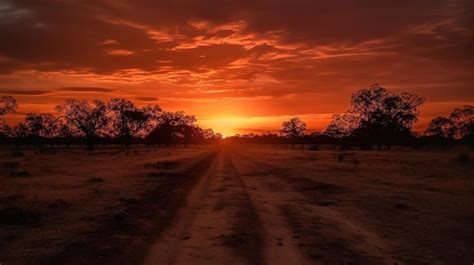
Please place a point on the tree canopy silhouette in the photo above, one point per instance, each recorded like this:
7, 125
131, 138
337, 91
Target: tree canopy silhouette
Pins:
463, 122
342, 125
440, 127
87, 119
459, 125
376, 116
129, 121
379, 116
7, 105
293, 129
41, 125
175, 127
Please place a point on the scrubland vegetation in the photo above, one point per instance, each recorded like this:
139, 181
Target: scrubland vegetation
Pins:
152, 187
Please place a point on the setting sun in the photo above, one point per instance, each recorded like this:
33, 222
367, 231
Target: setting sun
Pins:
246, 132
234, 66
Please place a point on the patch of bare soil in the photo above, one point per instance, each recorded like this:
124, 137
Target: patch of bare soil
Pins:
243, 205
59, 210
217, 225
376, 208
298, 216
123, 238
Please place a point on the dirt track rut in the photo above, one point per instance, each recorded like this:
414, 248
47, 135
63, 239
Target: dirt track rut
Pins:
238, 213
218, 224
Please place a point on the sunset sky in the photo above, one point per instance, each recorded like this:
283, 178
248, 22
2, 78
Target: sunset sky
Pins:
239, 66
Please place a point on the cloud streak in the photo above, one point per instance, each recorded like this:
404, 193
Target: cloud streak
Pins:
259, 57
24, 92
86, 89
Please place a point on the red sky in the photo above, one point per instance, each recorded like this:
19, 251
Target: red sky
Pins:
239, 66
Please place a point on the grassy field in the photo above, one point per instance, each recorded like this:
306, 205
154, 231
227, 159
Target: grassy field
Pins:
236, 205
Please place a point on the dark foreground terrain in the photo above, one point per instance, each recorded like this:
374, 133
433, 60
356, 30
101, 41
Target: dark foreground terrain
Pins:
236, 205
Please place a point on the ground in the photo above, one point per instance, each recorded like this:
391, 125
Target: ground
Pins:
229, 204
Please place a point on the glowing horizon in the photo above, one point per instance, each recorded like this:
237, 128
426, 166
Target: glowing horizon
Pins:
238, 67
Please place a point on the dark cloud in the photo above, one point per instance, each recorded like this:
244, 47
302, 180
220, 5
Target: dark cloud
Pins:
290, 56
24, 92
64, 35
86, 89
146, 98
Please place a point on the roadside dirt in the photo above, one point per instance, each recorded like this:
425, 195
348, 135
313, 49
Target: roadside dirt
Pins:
247, 210
124, 238
239, 214
277, 206
218, 224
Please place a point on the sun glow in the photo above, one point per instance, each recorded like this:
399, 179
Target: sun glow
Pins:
245, 73
225, 125
231, 125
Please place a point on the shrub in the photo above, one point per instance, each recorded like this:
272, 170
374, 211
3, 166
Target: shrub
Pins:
120, 216
14, 171
345, 147
17, 153
96, 180
22, 173
162, 165
59, 204
156, 174
17, 216
10, 199
313, 148
11, 166
340, 157
462, 159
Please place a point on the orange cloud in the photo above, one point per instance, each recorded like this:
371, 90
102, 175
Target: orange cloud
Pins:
118, 52
240, 66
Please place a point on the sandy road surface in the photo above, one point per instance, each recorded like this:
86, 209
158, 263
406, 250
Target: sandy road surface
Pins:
260, 205
226, 221
256, 208
240, 214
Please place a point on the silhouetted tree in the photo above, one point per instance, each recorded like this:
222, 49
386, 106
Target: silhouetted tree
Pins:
172, 128
17, 134
383, 116
463, 122
208, 133
342, 125
440, 127
7, 105
40, 125
65, 133
191, 133
293, 129
89, 119
458, 126
38, 128
129, 121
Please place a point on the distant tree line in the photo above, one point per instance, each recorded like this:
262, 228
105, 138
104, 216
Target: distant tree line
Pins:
459, 126
118, 121
377, 118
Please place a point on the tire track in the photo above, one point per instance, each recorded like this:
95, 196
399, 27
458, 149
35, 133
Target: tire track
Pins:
319, 230
279, 246
217, 225
125, 241
248, 227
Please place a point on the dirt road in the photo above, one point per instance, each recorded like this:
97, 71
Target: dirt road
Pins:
243, 212
261, 205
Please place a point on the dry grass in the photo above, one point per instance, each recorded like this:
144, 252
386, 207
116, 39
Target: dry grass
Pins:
411, 199
47, 200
